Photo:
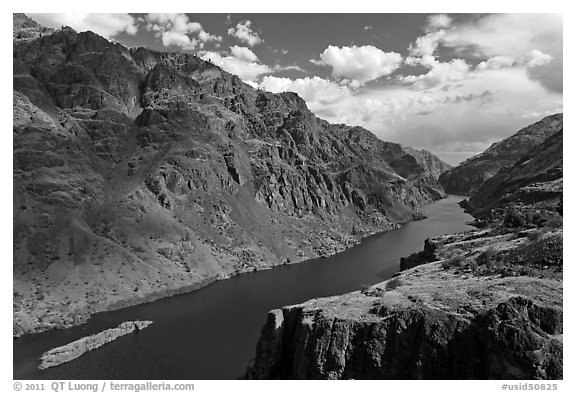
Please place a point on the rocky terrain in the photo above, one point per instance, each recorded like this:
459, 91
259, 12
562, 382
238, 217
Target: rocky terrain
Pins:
485, 304
467, 177
69, 352
535, 179
140, 174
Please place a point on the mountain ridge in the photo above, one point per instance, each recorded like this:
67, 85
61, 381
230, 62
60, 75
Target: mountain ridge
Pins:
466, 177
140, 174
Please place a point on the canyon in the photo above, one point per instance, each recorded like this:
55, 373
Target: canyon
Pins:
139, 175
485, 304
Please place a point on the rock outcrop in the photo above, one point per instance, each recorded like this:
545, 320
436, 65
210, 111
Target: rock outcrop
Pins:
140, 174
69, 352
424, 324
467, 177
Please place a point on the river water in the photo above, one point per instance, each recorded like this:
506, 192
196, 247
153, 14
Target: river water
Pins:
212, 333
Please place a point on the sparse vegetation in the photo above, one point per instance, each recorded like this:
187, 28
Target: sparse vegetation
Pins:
486, 256
393, 284
535, 235
454, 261
513, 219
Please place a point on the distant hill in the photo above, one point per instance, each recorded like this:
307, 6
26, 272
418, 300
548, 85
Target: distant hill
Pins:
536, 177
465, 178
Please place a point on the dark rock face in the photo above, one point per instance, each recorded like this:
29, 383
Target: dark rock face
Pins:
536, 177
514, 339
469, 176
140, 174
425, 256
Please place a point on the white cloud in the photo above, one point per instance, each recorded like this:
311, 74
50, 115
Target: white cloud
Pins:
207, 37
246, 69
440, 73
507, 34
243, 53
316, 91
244, 32
359, 64
175, 38
426, 60
427, 44
496, 62
537, 58
107, 25
291, 67
534, 58
178, 30
500, 40
173, 22
439, 21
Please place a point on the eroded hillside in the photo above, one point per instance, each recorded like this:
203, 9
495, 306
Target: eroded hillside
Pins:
140, 174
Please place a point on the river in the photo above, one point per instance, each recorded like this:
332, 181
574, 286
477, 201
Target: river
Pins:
212, 333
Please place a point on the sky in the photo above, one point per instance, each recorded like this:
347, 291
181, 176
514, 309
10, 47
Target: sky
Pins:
449, 83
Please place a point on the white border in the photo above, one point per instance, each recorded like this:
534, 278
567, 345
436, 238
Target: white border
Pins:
294, 6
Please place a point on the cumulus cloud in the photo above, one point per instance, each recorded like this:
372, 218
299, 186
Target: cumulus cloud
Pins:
534, 58
439, 21
317, 92
531, 41
204, 36
440, 73
243, 53
537, 58
178, 30
496, 62
242, 62
507, 34
427, 44
359, 64
107, 25
244, 32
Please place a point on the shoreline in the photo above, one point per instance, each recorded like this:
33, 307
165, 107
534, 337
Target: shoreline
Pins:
80, 319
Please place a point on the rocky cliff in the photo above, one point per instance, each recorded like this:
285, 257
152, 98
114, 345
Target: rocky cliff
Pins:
467, 177
490, 307
485, 304
140, 174
423, 324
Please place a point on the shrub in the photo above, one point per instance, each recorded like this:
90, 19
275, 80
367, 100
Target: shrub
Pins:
534, 236
513, 219
455, 261
393, 284
555, 222
486, 256
473, 265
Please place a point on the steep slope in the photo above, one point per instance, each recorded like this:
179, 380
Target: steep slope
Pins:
26, 29
485, 304
432, 164
468, 176
140, 174
535, 177
420, 326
